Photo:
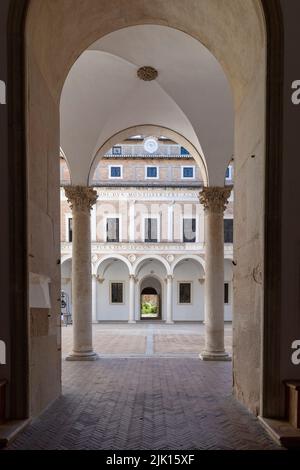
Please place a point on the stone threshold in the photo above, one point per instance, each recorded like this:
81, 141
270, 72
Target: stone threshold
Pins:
10, 430
282, 432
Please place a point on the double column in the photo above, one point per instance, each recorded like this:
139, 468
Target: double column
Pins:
81, 200
214, 200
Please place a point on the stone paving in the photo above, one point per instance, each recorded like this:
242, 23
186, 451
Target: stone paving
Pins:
148, 401
146, 338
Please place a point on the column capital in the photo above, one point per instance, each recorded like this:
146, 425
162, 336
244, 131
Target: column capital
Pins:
81, 197
215, 198
132, 276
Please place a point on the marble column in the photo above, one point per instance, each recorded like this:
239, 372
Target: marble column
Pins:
81, 200
169, 318
214, 200
131, 316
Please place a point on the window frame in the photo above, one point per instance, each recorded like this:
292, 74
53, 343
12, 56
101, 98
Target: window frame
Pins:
151, 177
68, 217
110, 292
196, 230
147, 216
116, 147
188, 177
191, 292
228, 293
113, 216
228, 218
115, 177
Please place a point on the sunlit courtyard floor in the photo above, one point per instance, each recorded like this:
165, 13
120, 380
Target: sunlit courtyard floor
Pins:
147, 338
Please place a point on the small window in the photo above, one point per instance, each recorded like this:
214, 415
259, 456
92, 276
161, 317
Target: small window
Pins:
226, 293
189, 231
228, 175
116, 293
117, 150
112, 229
185, 291
70, 229
151, 172
115, 172
188, 172
151, 231
228, 230
184, 151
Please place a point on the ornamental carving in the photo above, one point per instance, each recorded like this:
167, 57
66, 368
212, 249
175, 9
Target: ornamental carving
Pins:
257, 274
81, 197
215, 198
147, 73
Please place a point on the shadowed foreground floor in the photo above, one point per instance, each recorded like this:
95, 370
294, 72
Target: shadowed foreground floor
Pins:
145, 403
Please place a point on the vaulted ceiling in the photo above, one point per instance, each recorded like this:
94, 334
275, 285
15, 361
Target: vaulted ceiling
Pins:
103, 95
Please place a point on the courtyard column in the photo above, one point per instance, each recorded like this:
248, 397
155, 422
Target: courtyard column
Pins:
81, 200
214, 200
169, 299
131, 317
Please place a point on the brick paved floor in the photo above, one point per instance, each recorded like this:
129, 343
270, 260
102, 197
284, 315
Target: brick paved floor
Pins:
146, 402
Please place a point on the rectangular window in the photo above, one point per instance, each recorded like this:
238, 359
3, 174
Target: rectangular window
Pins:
188, 172
228, 230
70, 229
151, 172
117, 150
185, 293
115, 171
226, 293
151, 231
112, 229
116, 293
189, 230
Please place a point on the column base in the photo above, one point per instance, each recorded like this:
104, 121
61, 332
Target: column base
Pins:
91, 356
214, 356
131, 322
170, 322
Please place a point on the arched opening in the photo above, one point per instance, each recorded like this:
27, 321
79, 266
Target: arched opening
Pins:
244, 72
41, 51
151, 301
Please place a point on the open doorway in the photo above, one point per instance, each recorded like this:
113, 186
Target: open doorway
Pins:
150, 307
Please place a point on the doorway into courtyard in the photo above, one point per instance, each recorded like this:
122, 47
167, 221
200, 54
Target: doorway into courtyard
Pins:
151, 302
221, 119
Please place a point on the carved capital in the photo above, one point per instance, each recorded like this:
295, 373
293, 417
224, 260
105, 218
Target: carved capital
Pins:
215, 198
81, 197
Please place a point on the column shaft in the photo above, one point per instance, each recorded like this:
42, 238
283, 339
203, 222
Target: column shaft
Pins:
214, 201
131, 316
169, 318
81, 200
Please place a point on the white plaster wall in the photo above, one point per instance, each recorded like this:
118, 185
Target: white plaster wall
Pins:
189, 272
116, 272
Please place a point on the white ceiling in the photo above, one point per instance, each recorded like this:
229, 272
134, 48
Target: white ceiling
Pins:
103, 95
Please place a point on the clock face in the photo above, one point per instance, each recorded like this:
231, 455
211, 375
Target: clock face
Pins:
150, 145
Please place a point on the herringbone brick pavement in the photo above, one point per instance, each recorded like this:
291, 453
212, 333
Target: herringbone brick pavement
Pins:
145, 403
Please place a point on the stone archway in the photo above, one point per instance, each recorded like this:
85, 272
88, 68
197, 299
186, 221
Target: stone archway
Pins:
150, 294
48, 100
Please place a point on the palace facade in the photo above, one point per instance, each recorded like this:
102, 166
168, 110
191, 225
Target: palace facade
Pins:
147, 235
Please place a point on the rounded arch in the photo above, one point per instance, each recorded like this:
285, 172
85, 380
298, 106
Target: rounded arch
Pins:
159, 258
112, 257
157, 131
64, 157
186, 257
65, 258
